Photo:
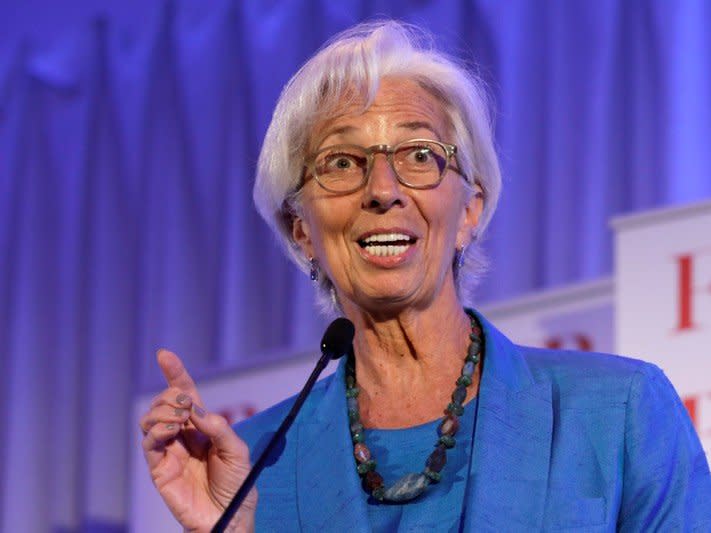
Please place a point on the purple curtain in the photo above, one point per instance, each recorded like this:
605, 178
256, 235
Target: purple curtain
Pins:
126, 220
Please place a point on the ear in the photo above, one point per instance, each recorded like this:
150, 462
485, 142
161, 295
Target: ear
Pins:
470, 217
301, 233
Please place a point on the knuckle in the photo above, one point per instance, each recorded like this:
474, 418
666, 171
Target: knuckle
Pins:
217, 423
158, 435
166, 396
220, 424
162, 412
219, 420
148, 442
170, 394
146, 420
242, 448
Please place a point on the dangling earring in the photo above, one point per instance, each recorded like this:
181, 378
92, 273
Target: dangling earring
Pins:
460, 257
313, 274
334, 298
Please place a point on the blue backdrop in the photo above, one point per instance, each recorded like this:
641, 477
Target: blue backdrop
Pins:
127, 150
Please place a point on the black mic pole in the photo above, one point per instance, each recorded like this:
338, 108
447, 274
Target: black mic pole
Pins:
336, 342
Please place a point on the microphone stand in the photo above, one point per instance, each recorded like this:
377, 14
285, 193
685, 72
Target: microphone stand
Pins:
336, 342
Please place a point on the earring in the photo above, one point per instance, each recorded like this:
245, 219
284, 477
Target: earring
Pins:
313, 274
460, 256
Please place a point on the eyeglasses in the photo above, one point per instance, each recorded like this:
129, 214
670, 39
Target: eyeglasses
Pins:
417, 163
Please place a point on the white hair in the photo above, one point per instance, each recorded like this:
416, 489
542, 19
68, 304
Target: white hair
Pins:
352, 65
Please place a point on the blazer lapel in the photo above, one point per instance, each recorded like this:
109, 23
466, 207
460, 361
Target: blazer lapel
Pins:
512, 442
329, 494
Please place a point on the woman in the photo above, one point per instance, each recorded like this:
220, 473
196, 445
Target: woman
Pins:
378, 174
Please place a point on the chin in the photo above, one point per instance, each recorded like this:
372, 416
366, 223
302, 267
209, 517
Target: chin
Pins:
392, 299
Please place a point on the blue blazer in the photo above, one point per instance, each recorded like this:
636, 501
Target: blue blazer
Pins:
563, 441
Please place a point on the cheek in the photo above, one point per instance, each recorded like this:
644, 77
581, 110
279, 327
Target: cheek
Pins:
446, 221
329, 225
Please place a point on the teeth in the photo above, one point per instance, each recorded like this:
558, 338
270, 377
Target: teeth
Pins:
387, 237
386, 250
387, 244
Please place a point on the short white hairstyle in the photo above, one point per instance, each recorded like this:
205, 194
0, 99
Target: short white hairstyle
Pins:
352, 65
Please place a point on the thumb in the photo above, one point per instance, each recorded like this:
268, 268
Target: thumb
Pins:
216, 428
175, 373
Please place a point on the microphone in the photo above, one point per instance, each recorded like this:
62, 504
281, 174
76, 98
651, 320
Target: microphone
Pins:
337, 339
336, 342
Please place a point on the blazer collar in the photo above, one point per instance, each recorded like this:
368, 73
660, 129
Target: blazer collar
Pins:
329, 493
508, 477
509, 470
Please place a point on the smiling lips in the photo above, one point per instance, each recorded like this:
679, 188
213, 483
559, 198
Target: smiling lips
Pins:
387, 244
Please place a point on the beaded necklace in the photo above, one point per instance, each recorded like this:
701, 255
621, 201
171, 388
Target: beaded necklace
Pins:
412, 485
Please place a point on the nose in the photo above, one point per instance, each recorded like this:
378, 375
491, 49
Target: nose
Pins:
382, 191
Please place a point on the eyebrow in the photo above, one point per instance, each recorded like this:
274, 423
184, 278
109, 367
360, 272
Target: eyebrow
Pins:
341, 129
420, 124
336, 131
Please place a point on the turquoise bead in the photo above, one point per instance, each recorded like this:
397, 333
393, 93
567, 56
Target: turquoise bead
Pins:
464, 380
368, 466
447, 440
352, 392
468, 369
455, 409
379, 493
434, 477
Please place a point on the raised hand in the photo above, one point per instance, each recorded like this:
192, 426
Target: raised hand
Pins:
195, 459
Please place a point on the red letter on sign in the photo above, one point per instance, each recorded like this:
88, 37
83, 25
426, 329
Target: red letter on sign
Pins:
685, 264
690, 404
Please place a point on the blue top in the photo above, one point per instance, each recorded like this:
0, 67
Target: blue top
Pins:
402, 451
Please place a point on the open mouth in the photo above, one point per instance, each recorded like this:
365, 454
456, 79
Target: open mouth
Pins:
387, 244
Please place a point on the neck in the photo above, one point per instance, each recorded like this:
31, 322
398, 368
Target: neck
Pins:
407, 362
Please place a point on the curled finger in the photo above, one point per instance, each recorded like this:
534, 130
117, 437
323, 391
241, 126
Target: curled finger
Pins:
174, 397
165, 414
156, 439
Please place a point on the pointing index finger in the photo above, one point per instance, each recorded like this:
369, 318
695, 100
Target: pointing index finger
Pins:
175, 373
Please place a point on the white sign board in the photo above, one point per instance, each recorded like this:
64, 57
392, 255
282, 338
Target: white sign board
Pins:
663, 300
576, 317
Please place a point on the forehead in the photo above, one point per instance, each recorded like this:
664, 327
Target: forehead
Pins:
399, 104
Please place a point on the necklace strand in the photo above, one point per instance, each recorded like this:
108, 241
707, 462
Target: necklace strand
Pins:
410, 486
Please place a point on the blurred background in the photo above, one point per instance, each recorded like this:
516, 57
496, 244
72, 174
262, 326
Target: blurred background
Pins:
129, 133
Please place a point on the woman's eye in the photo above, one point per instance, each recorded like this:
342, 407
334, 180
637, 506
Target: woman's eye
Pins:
342, 161
421, 155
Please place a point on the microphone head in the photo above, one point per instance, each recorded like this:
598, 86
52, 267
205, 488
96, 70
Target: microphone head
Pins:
338, 338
